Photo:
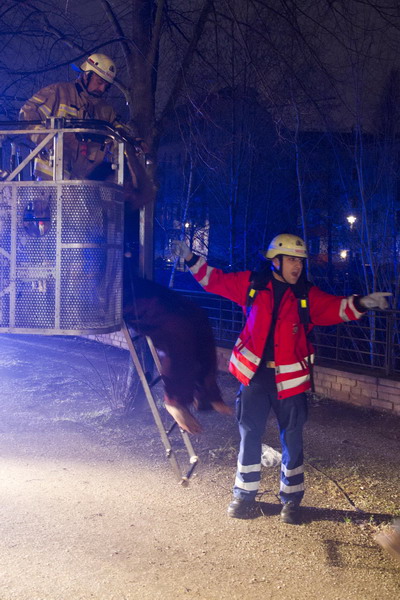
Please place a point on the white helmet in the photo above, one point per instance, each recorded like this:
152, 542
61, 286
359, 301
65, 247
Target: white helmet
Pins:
287, 244
102, 65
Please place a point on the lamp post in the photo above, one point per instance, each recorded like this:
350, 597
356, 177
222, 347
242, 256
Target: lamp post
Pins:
351, 219
344, 255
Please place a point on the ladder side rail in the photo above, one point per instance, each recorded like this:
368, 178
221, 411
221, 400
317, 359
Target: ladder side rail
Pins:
151, 402
193, 458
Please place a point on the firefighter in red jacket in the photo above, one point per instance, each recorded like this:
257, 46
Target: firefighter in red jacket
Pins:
272, 357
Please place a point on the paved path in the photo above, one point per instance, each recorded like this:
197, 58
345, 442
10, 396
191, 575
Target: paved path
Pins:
89, 508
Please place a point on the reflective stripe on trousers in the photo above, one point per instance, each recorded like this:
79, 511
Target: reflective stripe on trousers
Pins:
253, 407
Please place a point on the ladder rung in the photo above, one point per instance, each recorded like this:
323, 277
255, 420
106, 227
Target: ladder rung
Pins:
170, 430
155, 381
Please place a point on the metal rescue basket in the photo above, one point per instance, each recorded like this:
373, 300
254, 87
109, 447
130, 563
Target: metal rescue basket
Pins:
61, 246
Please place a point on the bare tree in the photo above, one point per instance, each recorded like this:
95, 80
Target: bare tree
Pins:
315, 66
42, 36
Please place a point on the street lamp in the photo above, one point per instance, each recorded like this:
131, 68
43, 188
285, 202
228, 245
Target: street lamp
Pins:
351, 219
343, 254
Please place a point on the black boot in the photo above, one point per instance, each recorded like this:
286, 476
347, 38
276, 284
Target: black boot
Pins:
242, 509
290, 513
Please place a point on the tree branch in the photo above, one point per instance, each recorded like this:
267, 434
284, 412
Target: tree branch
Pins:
117, 28
83, 54
155, 38
198, 30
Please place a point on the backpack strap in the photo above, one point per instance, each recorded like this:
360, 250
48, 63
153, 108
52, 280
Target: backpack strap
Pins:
305, 320
304, 310
300, 291
258, 281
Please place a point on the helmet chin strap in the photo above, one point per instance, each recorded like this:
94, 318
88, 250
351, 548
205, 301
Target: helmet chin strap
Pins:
85, 78
279, 271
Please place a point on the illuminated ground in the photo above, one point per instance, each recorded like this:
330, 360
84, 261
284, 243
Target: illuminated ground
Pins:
89, 507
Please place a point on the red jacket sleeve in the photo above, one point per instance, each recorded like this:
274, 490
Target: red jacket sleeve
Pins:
326, 309
233, 286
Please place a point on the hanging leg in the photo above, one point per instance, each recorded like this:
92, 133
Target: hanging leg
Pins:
193, 459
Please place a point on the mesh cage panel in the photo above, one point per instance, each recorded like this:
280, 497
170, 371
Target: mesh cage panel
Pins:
61, 249
86, 213
89, 291
6, 203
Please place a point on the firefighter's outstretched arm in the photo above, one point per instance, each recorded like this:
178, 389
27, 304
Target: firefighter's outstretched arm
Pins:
180, 249
376, 300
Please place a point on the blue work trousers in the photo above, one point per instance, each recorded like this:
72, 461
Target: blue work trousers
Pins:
253, 407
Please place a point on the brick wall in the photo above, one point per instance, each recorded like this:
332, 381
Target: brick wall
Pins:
361, 390
113, 339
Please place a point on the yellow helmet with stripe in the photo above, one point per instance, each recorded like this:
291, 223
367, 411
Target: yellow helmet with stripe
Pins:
287, 244
102, 65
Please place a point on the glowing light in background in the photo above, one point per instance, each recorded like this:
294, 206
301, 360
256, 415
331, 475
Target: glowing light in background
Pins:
351, 219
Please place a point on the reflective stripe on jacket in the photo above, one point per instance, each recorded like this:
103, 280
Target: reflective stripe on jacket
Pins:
291, 350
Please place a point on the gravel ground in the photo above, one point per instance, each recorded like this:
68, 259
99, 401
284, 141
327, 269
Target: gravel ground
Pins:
90, 508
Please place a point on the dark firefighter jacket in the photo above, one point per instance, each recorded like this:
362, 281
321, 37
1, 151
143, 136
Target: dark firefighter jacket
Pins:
69, 100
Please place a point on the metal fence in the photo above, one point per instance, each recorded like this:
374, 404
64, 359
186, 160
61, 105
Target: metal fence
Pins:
372, 343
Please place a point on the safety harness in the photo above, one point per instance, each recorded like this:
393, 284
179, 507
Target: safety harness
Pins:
259, 281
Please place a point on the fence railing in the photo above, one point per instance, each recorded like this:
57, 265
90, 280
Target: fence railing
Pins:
372, 343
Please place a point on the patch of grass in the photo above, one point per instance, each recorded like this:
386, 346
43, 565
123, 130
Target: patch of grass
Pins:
118, 389
348, 520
